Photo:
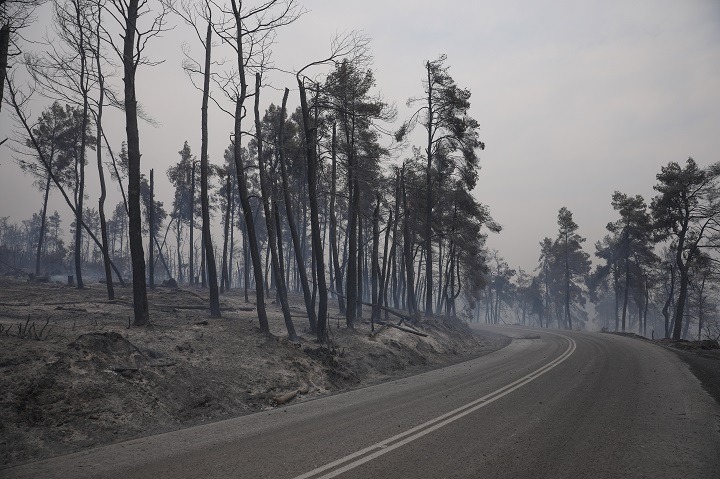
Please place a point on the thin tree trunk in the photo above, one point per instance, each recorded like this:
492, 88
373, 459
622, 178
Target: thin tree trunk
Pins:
627, 280
410, 282
83, 83
192, 226
333, 221
178, 243
680, 304
232, 237
568, 319
266, 199
428, 196
297, 246
360, 253
204, 200
226, 237
441, 291
4, 47
312, 167
246, 253
43, 215
375, 261
393, 249
151, 228
384, 271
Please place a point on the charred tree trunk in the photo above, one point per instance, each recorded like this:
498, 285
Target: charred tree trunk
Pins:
101, 171
4, 47
204, 201
668, 302
297, 246
191, 250
333, 221
358, 301
375, 261
43, 217
265, 189
312, 167
384, 270
428, 196
232, 238
410, 282
226, 237
151, 231
140, 304
254, 247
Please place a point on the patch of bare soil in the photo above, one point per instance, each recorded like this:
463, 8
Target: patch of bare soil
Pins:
73, 374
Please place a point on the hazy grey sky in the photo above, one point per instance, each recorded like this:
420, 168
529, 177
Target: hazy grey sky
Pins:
575, 99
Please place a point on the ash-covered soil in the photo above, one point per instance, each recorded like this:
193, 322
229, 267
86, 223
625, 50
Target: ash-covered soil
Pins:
703, 358
74, 374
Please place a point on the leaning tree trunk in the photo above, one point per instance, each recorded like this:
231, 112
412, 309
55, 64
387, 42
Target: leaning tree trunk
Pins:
101, 171
46, 164
266, 194
297, 247
251, 236
204, 200
140, 304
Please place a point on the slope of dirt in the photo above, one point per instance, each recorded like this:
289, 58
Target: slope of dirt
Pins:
73, 374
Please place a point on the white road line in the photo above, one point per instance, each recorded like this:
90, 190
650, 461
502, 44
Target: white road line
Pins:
383, 447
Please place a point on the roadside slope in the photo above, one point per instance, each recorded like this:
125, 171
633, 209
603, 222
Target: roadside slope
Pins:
90, 380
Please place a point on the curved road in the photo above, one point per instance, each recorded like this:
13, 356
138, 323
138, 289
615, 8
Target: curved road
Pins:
551, 404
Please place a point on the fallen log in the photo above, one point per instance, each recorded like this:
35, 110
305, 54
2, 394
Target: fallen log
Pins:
201, 306
404, 317
407, 330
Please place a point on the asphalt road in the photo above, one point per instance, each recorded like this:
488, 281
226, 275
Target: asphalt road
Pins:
555, 405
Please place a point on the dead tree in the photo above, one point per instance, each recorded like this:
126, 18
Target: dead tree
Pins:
250, 37
297, 247
266, 199
135, 38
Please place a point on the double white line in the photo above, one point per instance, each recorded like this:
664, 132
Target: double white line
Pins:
369, 453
